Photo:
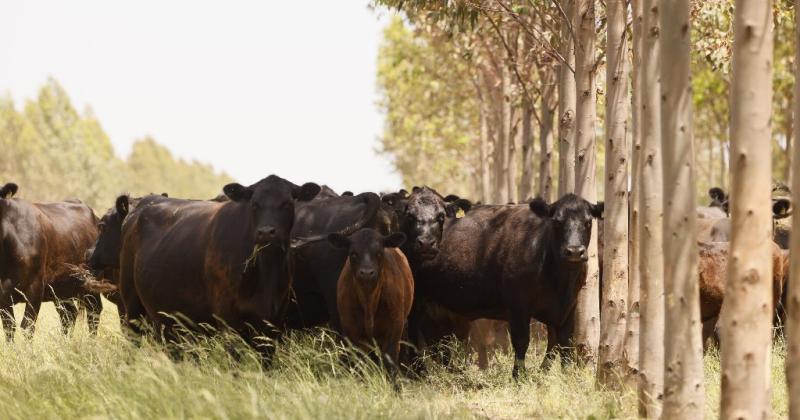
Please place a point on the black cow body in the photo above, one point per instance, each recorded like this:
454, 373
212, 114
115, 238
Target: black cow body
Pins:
514, 263
318, 264
216, 263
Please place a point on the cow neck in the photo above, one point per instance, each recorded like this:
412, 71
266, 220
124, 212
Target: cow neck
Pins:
369, 301
568, 277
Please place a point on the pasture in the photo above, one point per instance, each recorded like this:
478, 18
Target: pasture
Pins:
80, 376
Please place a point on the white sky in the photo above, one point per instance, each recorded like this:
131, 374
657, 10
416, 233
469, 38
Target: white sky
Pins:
252, 87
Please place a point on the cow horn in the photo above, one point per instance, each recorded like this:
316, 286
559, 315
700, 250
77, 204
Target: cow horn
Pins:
373, 203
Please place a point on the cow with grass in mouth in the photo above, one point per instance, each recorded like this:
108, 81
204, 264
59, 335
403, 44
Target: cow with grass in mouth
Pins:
218, 263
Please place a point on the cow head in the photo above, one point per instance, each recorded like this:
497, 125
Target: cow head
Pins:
423, 220
106, 250
8, 190
719, 199
271, 202
571, 218
365, 249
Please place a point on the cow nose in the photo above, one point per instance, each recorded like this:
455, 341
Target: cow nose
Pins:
266, 234
425, 243
366, 273
573, 251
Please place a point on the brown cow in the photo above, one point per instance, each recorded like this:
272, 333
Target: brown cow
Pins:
375, 290
41, 245
713, 268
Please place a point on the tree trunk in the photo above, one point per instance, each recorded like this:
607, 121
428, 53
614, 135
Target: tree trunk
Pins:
500, 194
526, 181
792, 327
789, 131
587, 308
546, 139
651, 254
683, 381
614, 314
723, 167
512, 166
485, 180
630, 350
566, 109
746, 316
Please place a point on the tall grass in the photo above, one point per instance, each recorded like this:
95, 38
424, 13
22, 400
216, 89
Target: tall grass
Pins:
80, 376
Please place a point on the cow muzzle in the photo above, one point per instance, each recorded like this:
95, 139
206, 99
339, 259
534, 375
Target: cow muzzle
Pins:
267, 235
576, 253
426, 248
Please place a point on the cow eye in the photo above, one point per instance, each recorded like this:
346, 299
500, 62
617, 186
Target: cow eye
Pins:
440, 217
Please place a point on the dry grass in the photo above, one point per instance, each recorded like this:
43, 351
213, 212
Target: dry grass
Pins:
80, 376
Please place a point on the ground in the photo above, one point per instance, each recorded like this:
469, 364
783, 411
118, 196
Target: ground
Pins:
80, 376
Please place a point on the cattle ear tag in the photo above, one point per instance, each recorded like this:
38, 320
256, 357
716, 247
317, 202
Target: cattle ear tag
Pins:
460, 213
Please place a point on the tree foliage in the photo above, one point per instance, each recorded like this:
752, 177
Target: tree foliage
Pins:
55, 152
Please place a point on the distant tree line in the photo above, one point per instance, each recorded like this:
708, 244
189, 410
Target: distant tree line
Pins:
55, 152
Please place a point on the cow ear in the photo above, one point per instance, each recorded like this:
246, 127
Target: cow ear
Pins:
347, 194
540, 208
122, 205
459, 204
306, 192
237, 192
597, 210
717, 194
394, 240
8, 190
415, 189
781, 207
165, 195
388, 199
403, 192
337, 240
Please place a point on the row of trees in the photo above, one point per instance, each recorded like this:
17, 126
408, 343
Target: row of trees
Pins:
466, 83
54, 152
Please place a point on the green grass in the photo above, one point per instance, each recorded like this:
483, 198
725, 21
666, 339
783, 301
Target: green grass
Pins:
80, 376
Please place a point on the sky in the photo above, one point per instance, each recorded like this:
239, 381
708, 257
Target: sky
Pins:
253, 87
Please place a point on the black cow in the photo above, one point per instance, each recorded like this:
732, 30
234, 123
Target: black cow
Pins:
318, 264
514, 263
213, 263
42, 247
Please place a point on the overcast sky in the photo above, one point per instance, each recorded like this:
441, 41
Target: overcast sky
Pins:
253, 87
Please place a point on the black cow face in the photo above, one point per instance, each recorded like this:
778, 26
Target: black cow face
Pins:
271, 201
366, 252
423, 220
106, 250
8, 190
572, 219
719, 199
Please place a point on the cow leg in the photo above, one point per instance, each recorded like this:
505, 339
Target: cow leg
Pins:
519, 326
7, 315
32, 306
94, 306
551, 351
416, 363
67, 314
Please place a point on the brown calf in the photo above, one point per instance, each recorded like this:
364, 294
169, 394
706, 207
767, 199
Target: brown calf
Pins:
375, 290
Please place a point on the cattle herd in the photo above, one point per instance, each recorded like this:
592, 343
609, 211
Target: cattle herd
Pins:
412, 267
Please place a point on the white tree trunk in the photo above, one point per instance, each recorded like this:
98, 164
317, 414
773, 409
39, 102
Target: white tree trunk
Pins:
614, 311
631, 345
587, 308
651, 254
792, 327
746, 316
683, 365
566, 109
546, 142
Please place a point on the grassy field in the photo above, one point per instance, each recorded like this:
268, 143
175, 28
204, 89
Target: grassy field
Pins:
80, 376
